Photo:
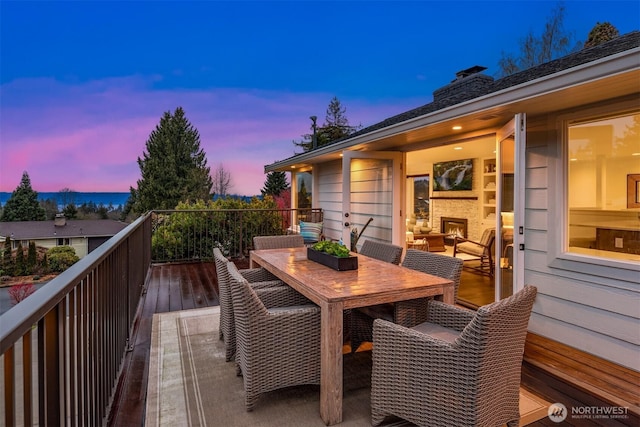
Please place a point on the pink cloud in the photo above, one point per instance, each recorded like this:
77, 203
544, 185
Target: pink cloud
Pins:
88, 136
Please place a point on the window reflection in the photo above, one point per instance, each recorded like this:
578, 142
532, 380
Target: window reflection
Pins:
601, 155
304, 189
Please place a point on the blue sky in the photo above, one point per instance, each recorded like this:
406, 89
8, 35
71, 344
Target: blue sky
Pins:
84, 83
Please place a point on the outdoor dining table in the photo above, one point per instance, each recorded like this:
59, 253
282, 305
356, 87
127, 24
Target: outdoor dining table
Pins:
374, 282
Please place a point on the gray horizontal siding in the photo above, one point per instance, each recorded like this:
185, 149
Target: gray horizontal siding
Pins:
329, 177
587, 304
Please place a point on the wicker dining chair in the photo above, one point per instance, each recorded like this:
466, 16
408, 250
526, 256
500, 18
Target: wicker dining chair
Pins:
386, 252
276, 347
227, 331
460, 368
278, 242
411, 312
382, 251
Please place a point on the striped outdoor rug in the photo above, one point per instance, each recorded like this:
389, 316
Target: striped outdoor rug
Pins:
190, 384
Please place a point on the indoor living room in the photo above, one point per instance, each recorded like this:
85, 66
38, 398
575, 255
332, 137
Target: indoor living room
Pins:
451, 196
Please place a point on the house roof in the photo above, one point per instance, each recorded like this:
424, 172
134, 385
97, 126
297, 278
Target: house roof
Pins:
487, 87
35, 230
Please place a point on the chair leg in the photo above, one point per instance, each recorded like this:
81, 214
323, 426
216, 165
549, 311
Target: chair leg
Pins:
377, 417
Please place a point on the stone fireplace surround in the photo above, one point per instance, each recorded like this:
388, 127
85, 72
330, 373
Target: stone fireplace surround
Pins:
463, 209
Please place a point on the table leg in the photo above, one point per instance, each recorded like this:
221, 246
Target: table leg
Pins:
331, 363
448, 295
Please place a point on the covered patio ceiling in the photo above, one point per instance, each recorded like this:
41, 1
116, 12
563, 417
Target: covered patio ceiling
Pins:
587, 84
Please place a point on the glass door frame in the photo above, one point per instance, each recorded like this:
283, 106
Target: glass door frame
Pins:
515, 128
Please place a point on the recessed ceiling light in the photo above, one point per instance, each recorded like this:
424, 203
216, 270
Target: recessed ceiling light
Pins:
457, 148
457, 127
573, 160
635, 154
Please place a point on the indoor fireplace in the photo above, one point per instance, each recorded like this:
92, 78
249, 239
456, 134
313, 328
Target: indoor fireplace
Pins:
453, 227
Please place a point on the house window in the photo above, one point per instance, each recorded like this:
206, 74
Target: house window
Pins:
64, 241
602, 155
16, 243
304, 189
421, 196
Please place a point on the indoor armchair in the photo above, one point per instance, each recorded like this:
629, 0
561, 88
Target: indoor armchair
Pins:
479, 251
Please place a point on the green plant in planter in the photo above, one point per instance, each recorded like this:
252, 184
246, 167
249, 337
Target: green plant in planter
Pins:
332, 248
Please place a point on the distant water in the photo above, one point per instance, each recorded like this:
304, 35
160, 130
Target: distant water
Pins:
79, 198
115, 199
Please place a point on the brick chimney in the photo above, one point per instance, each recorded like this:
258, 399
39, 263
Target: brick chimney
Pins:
60, 220
468, 84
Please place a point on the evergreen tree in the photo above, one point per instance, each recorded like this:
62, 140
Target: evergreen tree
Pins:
173, 168
44, 264
7, 259
32, 257
23, 204
601, 33
70, 211
20, 266
275, 184
336, 126
304, 198
102, 212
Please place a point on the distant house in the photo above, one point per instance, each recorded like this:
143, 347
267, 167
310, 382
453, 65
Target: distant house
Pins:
553, 155
82, 235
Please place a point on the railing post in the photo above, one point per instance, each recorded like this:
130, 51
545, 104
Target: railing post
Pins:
241, 233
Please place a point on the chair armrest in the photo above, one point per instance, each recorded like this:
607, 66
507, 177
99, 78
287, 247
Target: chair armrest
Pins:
449, 316
281, 296
256, 275
457, 240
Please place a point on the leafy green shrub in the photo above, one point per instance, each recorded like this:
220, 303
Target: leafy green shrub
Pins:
61, 257
228, 224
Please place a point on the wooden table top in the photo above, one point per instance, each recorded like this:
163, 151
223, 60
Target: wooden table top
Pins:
374, 281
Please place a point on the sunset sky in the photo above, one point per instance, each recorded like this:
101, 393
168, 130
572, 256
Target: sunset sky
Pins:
83, 84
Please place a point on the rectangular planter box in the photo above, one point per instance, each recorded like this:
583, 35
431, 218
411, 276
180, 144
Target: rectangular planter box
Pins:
340, 264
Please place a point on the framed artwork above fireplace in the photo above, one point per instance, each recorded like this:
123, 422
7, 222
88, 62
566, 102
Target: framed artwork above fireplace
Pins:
456, 175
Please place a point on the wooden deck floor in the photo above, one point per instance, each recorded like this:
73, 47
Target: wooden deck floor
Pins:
174, 287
